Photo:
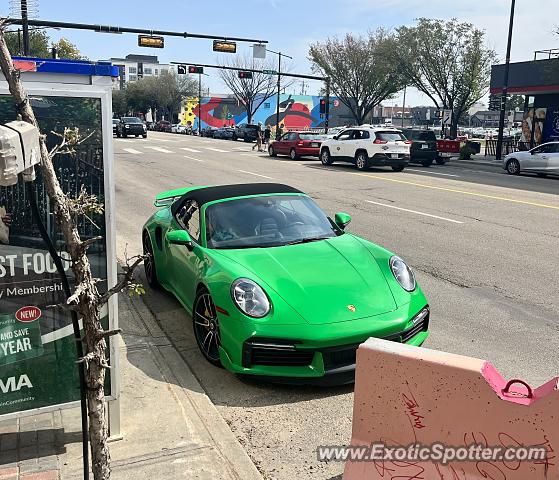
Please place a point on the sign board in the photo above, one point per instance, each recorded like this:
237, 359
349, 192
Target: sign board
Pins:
447, 117
38, 369
258, 51
270, 72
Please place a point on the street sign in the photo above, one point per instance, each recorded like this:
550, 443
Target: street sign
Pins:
224, 46
270, 72
259, 51
151, 41
447, 117
182, 69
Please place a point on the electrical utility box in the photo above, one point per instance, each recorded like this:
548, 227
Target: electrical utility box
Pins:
38, 369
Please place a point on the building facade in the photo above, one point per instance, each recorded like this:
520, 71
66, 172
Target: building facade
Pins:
538, 80
133, 67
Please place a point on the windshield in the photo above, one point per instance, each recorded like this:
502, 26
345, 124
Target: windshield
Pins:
115, 120
312, 136
131, 120
390, 136
266, 221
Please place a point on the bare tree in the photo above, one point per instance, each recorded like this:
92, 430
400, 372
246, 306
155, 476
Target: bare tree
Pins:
361, 73
86, 300
447, 61
251, 92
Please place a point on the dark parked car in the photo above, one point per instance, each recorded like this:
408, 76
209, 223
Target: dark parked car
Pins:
131, 126
163, 126
208, 132
424, 145
225, 133
115, 123
246, 132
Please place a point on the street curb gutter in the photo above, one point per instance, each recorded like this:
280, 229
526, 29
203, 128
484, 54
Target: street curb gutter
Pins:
207, 421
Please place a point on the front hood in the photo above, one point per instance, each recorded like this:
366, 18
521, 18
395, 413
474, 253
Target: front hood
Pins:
323, 281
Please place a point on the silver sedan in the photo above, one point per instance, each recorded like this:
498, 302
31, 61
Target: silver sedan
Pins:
543, 160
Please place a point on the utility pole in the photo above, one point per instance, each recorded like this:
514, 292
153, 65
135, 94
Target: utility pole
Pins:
404, 107
327, 106
279, 54
25, 23
199, 105
499, 150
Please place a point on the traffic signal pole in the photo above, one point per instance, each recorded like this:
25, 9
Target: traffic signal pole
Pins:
504, 92
327, 106
199, 105
279, 91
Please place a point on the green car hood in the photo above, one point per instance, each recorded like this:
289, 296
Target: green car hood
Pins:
327, 281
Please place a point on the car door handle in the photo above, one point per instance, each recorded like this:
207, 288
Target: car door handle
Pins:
544, 157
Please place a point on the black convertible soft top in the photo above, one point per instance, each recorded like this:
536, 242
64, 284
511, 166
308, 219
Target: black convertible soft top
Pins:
210, 194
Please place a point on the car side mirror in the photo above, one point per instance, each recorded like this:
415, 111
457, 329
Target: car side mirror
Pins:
342, 220
180, 237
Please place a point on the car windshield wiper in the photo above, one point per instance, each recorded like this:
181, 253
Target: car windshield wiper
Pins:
307, 240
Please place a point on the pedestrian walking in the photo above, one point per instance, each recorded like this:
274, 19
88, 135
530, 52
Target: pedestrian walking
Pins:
267, 136
279, 132
259, 135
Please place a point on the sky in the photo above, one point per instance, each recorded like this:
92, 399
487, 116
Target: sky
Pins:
289, 26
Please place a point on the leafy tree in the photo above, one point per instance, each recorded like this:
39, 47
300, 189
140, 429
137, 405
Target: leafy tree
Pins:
446, 60
120, 104
38, 43
361, 73
514, 102
67, 49
250, 92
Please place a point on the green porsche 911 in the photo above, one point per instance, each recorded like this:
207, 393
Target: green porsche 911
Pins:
275, 288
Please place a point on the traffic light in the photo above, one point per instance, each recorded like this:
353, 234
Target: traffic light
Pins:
225, 46
193, 69
245, 75
322, 105
182, 69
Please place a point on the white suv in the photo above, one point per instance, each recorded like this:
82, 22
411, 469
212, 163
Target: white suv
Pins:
368, 146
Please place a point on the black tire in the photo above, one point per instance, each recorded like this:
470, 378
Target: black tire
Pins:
542, 175
234, 138
124, 135
362, 160
206, 326
426, 163
325, 157
293, 154
136, 136
398, 168
149, 262
272, 152
118, 135
440, 161
513, 167
145, 135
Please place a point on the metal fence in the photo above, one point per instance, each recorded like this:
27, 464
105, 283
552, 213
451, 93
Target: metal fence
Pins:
509, 146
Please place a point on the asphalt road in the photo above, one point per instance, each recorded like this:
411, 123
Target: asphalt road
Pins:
483, 245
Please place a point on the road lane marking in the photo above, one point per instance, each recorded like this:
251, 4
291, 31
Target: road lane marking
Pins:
160, 149
431, 173
414, 211
216, 150
255, 174
454, 190
195, 159
131, 150
192, 150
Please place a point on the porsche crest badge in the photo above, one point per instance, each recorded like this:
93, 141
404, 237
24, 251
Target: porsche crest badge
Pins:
351, 308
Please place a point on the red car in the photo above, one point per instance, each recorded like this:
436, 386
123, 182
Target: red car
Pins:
297, 144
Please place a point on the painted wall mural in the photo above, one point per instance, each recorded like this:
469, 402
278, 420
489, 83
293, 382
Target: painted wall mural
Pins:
296, 112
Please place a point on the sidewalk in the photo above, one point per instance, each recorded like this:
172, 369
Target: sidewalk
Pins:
479, 160
170, 428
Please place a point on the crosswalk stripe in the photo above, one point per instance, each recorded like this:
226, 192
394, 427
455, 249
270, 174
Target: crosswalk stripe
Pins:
255, 174
131, 150
159, 149
216, 150
190, 150
195, 159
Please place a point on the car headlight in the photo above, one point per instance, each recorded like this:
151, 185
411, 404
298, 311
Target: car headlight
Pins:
250, 298
126, 126
403, 274
145, 128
